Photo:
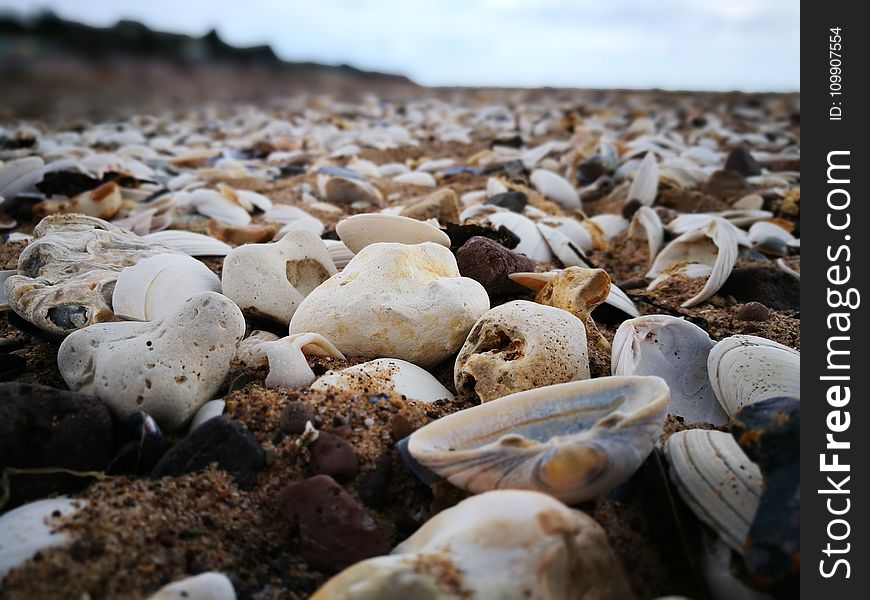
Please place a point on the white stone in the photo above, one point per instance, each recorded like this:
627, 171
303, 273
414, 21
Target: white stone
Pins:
205, 586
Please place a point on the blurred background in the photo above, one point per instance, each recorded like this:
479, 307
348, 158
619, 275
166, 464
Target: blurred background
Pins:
82, 57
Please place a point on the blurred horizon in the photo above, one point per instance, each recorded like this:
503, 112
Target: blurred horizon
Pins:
743, 45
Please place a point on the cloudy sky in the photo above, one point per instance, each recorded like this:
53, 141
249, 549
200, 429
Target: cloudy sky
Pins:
673, 44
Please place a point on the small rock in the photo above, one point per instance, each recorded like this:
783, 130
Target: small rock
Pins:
515, 201
741, 161
459, 234
294, 416
765, 284
333, 455
205, 586
219, 440
335, 530
631, 207
442, 205
400, 427
490, 263
753, 311
724, 185
374, 486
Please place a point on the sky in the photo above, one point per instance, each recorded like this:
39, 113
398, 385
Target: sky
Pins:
750, 45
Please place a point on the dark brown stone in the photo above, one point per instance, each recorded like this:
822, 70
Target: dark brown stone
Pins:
294, 416
334, 456
741, 161
753, 311
489, 263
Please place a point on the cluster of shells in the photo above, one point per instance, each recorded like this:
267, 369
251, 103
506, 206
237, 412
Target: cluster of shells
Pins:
166, 249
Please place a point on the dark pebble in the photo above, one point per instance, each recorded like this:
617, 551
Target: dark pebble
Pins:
459, 234
769, 433
47, 427
741, 161
753, 311
765, 284
143, 446
724, 185
513, 141
334, 529
591, 169
400, 427
334, 456
631, 207
490, 263
514, 201
294, 416
374, 486
11, 366
218, 440
633, 284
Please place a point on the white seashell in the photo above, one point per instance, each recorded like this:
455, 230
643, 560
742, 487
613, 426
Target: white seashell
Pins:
215, 205
393, 169
519, 346
359, 231
194, 244
646, 224
433, 166
644, 188
342, 190
168, 367
29, 529
271, 280
102, 202
745, 369
770, 238
251, 352
385, 375
534, 213
556, 188
20, 175
717, 480
473, 198
550, 551
259, 201
750, 202
205, 586
573, 440
416, 178
572, 229
565, 250
288, 366
157, 286
294, 218
607, 226
702, 155
209, 410
533, 156
784, 267
675, 350
366, 168
480, 211
405, 302
739, 218
339, 253
532, 243
713, 246
495, 186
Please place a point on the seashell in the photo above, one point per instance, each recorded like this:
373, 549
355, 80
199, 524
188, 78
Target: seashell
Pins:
495, 187
209, 410
251, 353
339, 253
745, 369
533, 156
393, 169
294, 218
66, 274
739, 218
770, 239
215, 205
717, 481
241, 234
564, 249
102, 202
416, 178
193, 244
550, 551
644, 188
603, 228
288, 366
786, 268
406, 302
556, 188
713, 246
571, 229
574, 289
480, 211
168, 368
532, 242
245, 198
520, 346
750, 202
573, 440
20, 175
366, 168
646, 224
677, 351
157, 286
28, 530
432, 166
341, 190
385, 375
205, 586
620, 300
271, 280
359, 231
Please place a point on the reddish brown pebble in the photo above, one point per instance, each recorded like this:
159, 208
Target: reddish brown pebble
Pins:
333, 455
753, 311
334, 529
374, 486
400, 427
489, 263
294, 416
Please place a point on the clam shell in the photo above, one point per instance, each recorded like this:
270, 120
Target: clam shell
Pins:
564, 249
205, 586
532, 243
416, 178
102, 202
572, 440
30, 529
646, 224
294, 218
339, 253
194, 244
251, 352
157, 286
341, 190
572, 229
620, 300
20, 175
212, 203
785, 268
770, 238
209, 410
519, 346
385, 375
675, 350
494, 186
556, 188
739, 218
745, 369
605, 228
288, 366
714, 246
644, 188
359, 231
717, 480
